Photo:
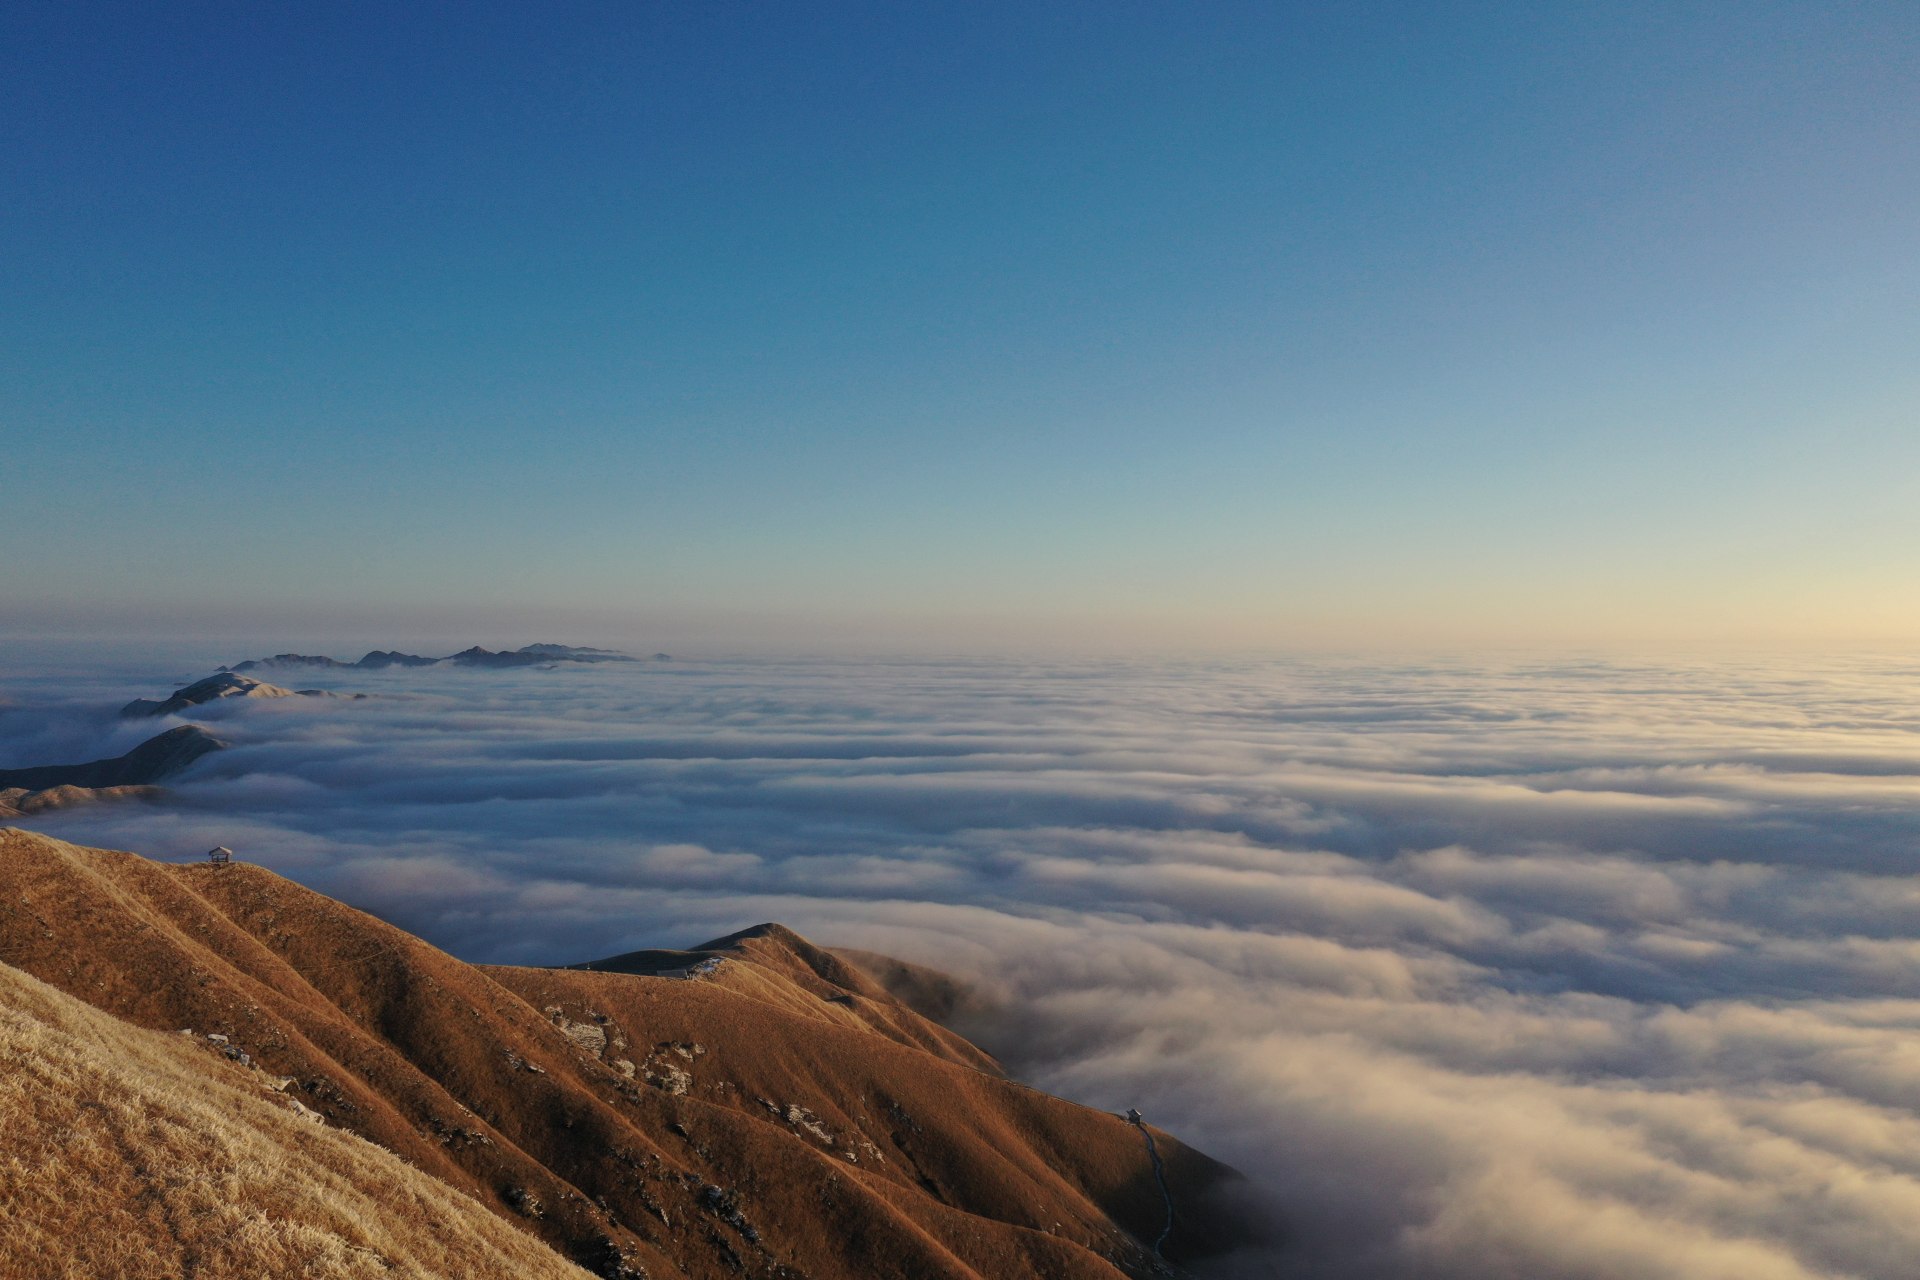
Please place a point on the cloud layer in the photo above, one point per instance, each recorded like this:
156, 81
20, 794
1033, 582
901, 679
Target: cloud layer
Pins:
1582, 970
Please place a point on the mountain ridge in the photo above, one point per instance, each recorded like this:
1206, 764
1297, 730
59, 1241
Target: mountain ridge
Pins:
530, 655
215, 688
160, 756
778, 1115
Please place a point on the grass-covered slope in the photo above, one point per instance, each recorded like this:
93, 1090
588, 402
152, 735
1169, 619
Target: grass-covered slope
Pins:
146, 1156
779, 1114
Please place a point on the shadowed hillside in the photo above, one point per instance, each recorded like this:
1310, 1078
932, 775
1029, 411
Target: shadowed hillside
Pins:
127, 777
767, 1110
158, 757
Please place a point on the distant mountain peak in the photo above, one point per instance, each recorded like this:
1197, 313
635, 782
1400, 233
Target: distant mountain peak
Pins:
393, 658
531, 655
288, 660
158, 757
223, 684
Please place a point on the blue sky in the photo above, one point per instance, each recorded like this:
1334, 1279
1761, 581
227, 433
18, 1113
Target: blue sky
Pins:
746, 326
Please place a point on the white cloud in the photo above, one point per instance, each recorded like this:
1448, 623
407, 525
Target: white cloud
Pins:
1532, 970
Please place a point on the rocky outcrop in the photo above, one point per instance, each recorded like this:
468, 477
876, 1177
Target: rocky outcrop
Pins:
156, 758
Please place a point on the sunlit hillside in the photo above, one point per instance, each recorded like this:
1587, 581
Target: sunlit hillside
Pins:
140, 1155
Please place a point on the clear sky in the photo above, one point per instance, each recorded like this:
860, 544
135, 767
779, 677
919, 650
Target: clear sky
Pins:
973, 324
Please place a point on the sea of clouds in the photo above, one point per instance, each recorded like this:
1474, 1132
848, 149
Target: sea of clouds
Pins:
1532, 969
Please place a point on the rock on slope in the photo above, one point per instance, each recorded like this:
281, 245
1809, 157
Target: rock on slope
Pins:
775, 1114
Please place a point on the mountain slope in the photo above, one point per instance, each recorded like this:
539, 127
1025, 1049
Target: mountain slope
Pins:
143, 1156
790, 972
128, 777
779, 1114
225, 684
158, 757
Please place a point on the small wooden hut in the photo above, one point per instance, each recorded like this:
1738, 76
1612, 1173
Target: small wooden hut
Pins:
220, 855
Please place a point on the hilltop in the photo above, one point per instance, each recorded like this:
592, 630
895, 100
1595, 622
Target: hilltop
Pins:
222, 685
757, 1106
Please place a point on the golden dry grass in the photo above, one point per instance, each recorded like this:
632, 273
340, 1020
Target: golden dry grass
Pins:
139, 1155
820, 1128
